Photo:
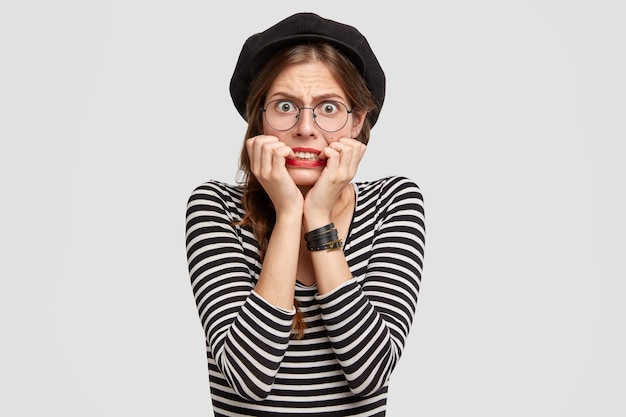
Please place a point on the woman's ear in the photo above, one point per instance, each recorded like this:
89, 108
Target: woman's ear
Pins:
357, 123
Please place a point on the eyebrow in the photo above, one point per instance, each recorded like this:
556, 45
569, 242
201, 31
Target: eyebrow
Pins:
316, 99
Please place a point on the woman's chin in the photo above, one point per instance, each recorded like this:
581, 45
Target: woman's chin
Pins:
304, 177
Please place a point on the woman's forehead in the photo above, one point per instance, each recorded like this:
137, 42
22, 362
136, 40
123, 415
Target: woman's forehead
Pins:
306, 81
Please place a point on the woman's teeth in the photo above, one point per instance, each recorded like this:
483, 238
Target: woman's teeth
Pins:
309, 156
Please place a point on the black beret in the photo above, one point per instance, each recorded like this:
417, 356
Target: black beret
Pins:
300, 28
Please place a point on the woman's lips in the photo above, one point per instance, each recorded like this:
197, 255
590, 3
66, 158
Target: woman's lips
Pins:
305, 158
303, 163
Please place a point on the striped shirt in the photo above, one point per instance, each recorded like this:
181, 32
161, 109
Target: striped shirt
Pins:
355, 335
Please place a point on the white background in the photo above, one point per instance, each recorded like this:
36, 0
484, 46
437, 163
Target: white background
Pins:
509, 114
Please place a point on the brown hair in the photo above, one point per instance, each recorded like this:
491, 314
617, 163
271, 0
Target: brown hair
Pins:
259, 211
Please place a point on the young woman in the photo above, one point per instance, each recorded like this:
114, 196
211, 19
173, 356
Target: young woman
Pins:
306, 282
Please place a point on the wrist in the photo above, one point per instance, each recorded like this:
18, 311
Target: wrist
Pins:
323, 238
289, 220
314, 220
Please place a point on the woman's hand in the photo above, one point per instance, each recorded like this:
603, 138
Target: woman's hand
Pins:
342, 160
267, 162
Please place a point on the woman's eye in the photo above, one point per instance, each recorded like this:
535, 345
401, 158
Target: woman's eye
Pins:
286, 107
328, 108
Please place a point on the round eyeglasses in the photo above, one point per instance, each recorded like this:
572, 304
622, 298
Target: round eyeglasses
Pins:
329, 116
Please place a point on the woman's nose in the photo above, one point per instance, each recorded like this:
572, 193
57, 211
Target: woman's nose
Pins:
306, 120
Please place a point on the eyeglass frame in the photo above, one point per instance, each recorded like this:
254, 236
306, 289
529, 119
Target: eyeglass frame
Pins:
349, 112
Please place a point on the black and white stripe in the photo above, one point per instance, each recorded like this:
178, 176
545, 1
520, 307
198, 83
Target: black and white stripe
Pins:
355, 335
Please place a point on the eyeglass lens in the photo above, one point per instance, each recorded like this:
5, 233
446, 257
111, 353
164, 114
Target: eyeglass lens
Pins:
330, 116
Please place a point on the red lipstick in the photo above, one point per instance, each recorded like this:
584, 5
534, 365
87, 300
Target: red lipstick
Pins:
306, 158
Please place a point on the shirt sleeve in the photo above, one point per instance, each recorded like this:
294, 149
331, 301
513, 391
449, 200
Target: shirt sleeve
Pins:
368, 320
247, 336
